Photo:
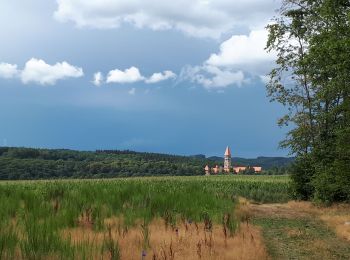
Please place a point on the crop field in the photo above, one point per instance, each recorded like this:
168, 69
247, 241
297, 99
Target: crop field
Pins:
136, 218
87, 218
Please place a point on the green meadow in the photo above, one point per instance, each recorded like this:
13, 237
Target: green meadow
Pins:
33, 214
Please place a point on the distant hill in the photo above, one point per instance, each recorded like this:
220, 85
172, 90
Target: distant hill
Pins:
198, 156
265, 162
30, 163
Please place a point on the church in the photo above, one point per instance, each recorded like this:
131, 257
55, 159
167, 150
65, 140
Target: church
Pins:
228, 168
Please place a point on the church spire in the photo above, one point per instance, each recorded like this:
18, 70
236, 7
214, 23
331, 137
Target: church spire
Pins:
228, 151
227, 160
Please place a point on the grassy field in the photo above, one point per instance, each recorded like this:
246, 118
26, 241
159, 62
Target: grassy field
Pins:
38, 217
149, 218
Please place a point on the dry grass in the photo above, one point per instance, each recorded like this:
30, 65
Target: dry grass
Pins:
186, 241
337, 216
294, 232
290, 210
341, 224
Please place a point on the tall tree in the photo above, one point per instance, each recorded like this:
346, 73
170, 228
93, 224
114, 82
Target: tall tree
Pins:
312, 78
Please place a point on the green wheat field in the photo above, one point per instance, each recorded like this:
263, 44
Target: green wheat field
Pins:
35, 214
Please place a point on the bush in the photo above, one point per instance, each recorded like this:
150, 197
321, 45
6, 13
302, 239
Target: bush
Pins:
302, 173
333, 182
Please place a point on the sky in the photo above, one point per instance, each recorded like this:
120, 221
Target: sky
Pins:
178, 77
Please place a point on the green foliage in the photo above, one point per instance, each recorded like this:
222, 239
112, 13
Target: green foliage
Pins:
27, 163
312, 41
302, 173
333, 183
279, 170
41, 239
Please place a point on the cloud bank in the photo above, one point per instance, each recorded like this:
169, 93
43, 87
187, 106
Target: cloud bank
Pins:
38, 71
199, 18
238, 59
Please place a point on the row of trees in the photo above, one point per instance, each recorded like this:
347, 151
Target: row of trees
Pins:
312, 78
27, 163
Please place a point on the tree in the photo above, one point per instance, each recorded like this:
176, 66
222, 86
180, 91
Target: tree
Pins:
312, 42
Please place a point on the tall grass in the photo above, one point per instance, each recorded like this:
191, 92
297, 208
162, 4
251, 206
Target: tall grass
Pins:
34, 214
8, 242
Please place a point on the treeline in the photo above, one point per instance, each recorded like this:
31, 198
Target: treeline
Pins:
28, 163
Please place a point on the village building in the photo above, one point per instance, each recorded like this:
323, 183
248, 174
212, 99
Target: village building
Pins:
207, 170
228, 166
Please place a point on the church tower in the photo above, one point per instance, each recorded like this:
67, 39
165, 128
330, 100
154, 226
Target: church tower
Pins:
227, 160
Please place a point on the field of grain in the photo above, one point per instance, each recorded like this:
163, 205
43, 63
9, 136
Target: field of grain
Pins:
159, 218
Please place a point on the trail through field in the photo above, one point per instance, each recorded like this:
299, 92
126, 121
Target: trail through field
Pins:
300, 230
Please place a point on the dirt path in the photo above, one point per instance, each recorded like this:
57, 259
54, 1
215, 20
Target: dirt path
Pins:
300, 230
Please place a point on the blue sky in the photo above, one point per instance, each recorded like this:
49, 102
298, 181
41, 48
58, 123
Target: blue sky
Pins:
173, 77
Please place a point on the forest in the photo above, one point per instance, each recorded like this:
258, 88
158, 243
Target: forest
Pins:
30, 163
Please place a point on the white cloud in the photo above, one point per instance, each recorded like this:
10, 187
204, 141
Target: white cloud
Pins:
38, 71
223, 78
98, 78
132, 91
157, 77
201, 18
243, 51
240, 57
212, 77
8, 71
130, 75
